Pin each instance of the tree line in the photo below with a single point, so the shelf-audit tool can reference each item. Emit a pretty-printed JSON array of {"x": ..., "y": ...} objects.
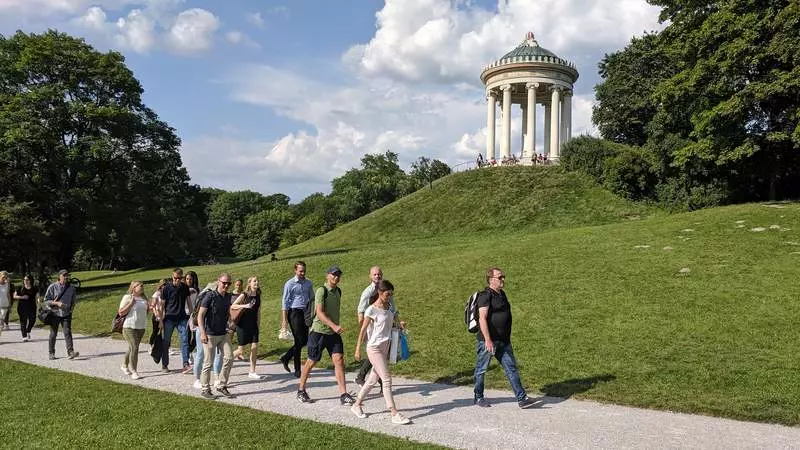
[
  {"x": 92, "y": 177},
  {"x": 704, "y": 112}
]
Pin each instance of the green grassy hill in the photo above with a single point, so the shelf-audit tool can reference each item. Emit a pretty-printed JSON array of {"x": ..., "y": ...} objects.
[
  {"x": 498, "y": 200},
  {"x": 692, "y": 312}
]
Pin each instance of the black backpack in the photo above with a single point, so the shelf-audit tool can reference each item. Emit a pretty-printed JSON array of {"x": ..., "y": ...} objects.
[
  {"x": 311, "y": 310},
  {"x": 471, "y": 313}
]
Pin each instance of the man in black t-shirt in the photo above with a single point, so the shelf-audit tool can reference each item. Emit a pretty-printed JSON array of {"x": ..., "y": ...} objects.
[
  {"x": 212, "y": 319},
  {"x": 494, "y": 338},
  {"x": 174, "y": 297}
]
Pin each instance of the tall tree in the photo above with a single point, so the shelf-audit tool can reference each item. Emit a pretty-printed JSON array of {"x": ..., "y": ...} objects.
[{"x": 427, "y": 170}]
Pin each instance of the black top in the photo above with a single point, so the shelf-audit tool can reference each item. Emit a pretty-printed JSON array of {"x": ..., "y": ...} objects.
[
  {"x": 175, "y": 301},
  {"x": 249, "y": 317},
  {"x": 31, "y": 293},
  {"x": 499, "y": 318},
  {"x": 216, "y": 320}
]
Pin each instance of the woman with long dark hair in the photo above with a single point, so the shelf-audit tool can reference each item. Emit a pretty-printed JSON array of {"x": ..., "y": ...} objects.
[{"x": 26, "y": 306}]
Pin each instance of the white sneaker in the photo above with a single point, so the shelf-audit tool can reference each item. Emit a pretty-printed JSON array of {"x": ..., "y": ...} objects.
[
  {"x": 254, "y": 376},
  {"x": 197, "y": 384},
  {"x": 125, "y": 370},
  {"x": 135, "y": 376},
  {"x": 400, "y": 419},
  {"x": 358, "y": 412}
]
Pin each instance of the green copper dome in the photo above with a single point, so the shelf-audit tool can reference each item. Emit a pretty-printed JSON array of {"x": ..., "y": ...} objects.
[{"x": 529, "y": 47}]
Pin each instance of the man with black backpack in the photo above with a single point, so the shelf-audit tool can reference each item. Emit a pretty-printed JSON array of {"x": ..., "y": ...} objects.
[
  {"x": 494, "y": 338},
  {"x": 298, "y": 296},
  {"x": 212, "y": 320},
  {"x": 326, "y": 334}
]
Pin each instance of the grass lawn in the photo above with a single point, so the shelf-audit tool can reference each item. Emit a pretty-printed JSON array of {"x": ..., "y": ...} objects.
[
  {"x": 601, "y": 312},
  {"x": 52, "y": 409}
]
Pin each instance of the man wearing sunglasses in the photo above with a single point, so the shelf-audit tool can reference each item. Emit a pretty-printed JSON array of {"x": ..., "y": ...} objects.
[
  {"x": 494, "y": 338},
  {"x": 212, "y": 319},
  {"x": 174, "y": 297}
]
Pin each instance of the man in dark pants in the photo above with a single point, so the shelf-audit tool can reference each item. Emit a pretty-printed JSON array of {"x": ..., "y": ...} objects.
[
  {"x": 297, "y": 292},
  {"x": 60, "y": 297},
  {"x": 494, "y": 338},
  {"x": 174, "y": 297},
  {"x": 375, "y": 276}
]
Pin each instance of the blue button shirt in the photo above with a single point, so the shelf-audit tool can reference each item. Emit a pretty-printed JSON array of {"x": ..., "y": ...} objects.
[{"x": 296, "y": 293}]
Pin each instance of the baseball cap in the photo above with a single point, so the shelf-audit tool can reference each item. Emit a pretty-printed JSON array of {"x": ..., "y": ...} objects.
[
  {"x": 63, "y": 272},
  {"x": 334, "y": 269}
]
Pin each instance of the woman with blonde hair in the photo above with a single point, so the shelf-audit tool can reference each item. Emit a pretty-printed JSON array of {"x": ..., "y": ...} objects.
[
  {"x": 249, "y": 323},
  {"x": 5, "y": 298},
  {"x": 134, "y": 307}
]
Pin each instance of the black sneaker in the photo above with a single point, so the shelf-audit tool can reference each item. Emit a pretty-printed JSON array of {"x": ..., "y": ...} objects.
[
  {"x": 526, "y": 402},
  {"x": 297, "y": 374},
  {"x": 346, "y": 399},
  {"x": 481, "y": 402},
  {"x": 52, "y": 356},
  {"x": 206, "y": 394},
  {"x": 285, "y": 363},
  {"x": 303, "y": 397},
  {"x": 73, "y": 355},
  {"x": 225, "y": 392}
]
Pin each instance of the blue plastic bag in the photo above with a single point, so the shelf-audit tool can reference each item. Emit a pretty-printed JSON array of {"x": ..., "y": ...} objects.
[{"x": 404, "y": 353}]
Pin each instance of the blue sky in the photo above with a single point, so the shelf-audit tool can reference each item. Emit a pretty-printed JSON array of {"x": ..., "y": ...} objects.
[{"x": 284, "y": 96}]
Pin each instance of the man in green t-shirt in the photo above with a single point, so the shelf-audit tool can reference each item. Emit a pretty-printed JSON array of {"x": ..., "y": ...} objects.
[{"x": 326, "y": 334}]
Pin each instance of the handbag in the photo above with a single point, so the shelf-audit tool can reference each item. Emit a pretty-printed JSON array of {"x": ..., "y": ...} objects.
[
  {"x": 285, "y": 335},
  {"x": 394, "y": 346},
  {"x": 404, "y": 352},
  {"x": 44, "y": 314},
  {"x": 116, "y": 324}
]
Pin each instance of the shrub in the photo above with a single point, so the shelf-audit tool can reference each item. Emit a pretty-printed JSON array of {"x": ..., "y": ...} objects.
[
  {"x": 587, "y": 154},
  {"x": 630, "y": 173}
]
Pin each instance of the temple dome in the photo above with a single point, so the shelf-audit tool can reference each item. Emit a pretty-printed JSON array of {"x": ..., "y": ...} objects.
[{"x": 529, "y": 47}]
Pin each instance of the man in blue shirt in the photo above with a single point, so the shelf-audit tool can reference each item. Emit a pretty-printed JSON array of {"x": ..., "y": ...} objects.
[
  {"x": 297, "y": 292},
  {"x": 60, "y": 297}
]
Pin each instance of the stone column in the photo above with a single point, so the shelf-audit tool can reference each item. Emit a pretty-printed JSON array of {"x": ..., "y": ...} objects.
[
  {"x": 524, "y": 132},
  {"x": 546, "y": 149},
  {"x": 565, "y": 113},
  {"x": 555, "y": 102},
  {"x": 505, "y": 143},
  {"x": 568, "y": 105},
  {"x": 529, "y": 146},
  {"x": 491, "y": 108}
]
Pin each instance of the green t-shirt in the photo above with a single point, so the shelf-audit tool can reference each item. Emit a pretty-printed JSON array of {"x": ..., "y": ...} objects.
[{"x": 330, "y": 305}]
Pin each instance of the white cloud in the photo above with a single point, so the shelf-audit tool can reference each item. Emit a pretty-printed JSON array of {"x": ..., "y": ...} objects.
[
  {"x": 193, "y": 30},
  {"x": 137, "y": 32},
  {"x": 237, "y": 37},
  {"x": 255, "y": 19}
]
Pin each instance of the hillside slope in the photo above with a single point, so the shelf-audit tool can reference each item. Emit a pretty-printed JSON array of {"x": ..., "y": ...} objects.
[{"x": 498, "y": 200}]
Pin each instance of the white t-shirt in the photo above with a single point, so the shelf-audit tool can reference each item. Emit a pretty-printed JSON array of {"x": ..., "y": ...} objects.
[
  {"x": 380, "y": 330},
  {"x": 137, "y": 315}
]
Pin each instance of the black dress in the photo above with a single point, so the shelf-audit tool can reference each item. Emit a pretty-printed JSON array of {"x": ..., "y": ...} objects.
[{"x": 247, "y": 328}]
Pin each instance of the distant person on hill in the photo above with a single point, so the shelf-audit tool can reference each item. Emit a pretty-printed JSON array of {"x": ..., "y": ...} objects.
[
  {"x": 6, "y": 299},
  {"x": 249, "y": 323},
  {"x": 134, "y": 307},
  {"x": 375, "y": 276},
  {"x": 494, "y": 338},
  {"x": 326, "y": 334},
  {"x": 480, "y": 162},
  {"x": 61, "y": 297},
  {"x": 26, "y": 306},
  {"x": 379, "y": 317},
  {"x": 212, "y": 319},
  {"x": 174, "y": 296},
  {"x": 297, "y": 292}
]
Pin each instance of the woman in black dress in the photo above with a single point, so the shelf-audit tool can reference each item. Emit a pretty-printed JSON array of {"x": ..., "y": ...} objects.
[
  {"x": 25, "y": 296},
  {"x": 249, "y": 322}
]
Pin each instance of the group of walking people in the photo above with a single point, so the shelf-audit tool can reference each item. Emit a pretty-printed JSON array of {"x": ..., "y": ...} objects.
[{"x": 206, "y": 320}]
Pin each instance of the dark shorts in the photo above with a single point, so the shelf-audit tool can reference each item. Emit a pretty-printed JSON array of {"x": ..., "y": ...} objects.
[
  {"x": 318, "y": 342},
  {"x": 247, "y": 335}
]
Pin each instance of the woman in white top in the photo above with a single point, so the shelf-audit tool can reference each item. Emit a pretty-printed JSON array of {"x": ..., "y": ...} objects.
[
  {"x": 134, "y": 307},
  {"x": 5, "y": 299},
  {"x": 377, "y": 326}
]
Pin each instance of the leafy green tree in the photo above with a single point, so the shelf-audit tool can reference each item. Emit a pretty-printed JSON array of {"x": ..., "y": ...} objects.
[
  {"x": 227, "y": 214},
  {"x": 426, "y": 170},
  {"x": 78, "y": 144},
  {"x": 261, "y": 232}
]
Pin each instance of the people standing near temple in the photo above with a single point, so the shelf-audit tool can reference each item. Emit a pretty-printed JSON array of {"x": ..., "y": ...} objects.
[
  {"x": 60, "y": 297},
  {"x": 375, "y": 276},
  {"x": 297, "y": 292},
  {"x": 212, "y": 320},
  {"x": 134, "y": 307},
  {"x": 174, "y": 296},
  {"x": 379, "y": 317},
  {"x": 249, "y": 323},
  {"x": 326, "y": 334},
  {"x": 6, "y": 299},
  {"x": 494, "y": 338},
  {"x": 25, "y": 296}
]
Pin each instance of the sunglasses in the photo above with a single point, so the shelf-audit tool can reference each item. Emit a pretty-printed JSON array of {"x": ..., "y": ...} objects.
[
  {"x": 501, "y": 277},
  {"x": 225, "y": 283}
]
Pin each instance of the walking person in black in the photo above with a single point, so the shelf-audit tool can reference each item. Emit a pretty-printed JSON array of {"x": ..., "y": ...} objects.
[
  {"x": 297, "y": 292},
  {"x": 174, "y": 296},
  {"x": 25, "y": 296}
]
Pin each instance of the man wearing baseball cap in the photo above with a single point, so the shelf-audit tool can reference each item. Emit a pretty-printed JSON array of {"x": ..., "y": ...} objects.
[
  {"x": 326, "y": 334},
  {"x": 60, "y": 297}
]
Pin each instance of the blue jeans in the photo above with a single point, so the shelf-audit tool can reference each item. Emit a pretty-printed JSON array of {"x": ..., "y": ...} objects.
[
  {"x": 505, "y": 355},
  {"x": 200, "y": 356},
  {"x": 183, "y": 335}
]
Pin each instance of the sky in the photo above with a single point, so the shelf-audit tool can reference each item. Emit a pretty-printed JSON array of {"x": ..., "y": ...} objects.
[{"x": 284, "y": 96}]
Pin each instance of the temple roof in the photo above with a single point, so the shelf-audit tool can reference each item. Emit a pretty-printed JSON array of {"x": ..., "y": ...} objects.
[
  {"x": 529, "y": 51},
  {"x": 529, "y": 47}
]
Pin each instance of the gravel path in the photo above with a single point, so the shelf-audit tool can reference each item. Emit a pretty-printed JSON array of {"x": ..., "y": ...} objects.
[{"x": 441, "y": 414}]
